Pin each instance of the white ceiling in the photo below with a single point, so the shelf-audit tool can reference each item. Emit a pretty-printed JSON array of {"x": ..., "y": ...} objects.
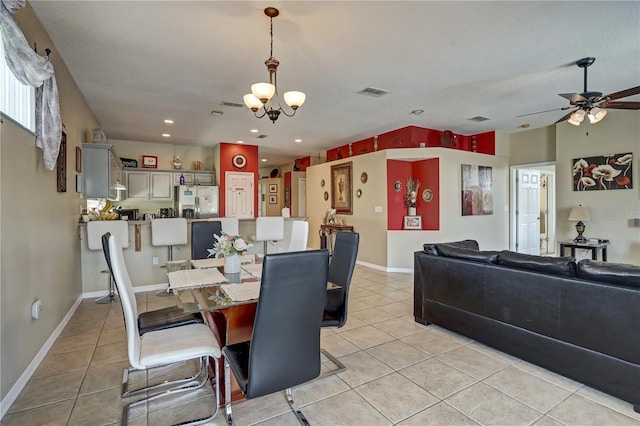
[{"x": 140, "y": 62}]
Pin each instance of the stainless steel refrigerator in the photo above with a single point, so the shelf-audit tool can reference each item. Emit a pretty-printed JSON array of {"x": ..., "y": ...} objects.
[{"x": 197, "y": 201}]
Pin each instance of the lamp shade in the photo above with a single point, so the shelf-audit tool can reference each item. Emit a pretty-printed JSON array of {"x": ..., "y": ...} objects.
[
  {"x": 596, "y": 114},
  {"x": 580, "y": 214},
  {"x": 252, "y": 102},
  {"x": 263, "y": 91},
  {"x": 577, "y": 117},
  {"x": 294, "y": 99}
]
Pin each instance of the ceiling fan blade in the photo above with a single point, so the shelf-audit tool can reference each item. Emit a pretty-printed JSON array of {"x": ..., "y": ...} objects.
[
  {"x": 624, "y": 93},
  {"x": 621, "y": 105},
  {"x": 566, "y": 117},
  {"x": 540, "y": 112},
  {"x": 574, "y": 98}
]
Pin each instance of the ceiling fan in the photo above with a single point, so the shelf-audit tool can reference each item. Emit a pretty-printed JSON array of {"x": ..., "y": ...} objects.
[{"x": 592, "y": 104}]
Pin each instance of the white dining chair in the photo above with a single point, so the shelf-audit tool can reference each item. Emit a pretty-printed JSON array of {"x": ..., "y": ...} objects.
[
  {"x": 269, "y": 228},
  {"x": 299, "y": 235},
  {"x": 120, "y": 230}
]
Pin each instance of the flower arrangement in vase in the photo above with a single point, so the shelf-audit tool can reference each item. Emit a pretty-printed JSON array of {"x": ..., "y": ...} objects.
[
  {"x": 411, "y": 197},
  {"x": 230, "y": 247}
]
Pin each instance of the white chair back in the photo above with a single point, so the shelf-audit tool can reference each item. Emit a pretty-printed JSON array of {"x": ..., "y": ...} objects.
[
  {"x": 169, "y": 231},
  {"x": 269, "y": 228},
  {"x": 97, "y": 228},
  {"x": 299, "y": 235},
  {"x": 230, "y": 225},
  {"x": 128, "y": 300}
]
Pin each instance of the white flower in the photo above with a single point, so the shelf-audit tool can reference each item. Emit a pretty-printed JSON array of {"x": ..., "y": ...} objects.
[
  {"x": 227, "y": 245},
  {"x": 579, "y": 165},
  {"x": 624, "y": 160},
  {"x": 606, "y": 172},
  {"x": 587, "y": 181}
]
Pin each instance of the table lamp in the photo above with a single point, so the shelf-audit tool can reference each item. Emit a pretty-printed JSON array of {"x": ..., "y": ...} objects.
[{"x": 580, "y": 214}]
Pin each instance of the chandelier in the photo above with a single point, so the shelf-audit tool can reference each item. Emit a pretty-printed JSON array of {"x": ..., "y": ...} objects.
[{"x": 264, "y": 96}]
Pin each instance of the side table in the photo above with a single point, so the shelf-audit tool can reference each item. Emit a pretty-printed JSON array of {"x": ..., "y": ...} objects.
[
  {"x": 327, "y": 230},
  {"x": 593, "y": 246}
]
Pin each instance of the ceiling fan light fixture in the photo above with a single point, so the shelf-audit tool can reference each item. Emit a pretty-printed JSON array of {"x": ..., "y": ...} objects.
[
  {"x": 267, "y": 93},
  {"x": 577, "y": 117},
  {"x": 596, "y": 114}
]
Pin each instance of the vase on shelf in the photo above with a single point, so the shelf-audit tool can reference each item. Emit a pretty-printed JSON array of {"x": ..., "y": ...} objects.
[
  {"x": 412, "y": 211},
  {"x": 232, "y": 264}
]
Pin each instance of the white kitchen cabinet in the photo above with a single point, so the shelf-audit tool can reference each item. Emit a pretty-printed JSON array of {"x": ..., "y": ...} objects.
[
  {"x": 149, "y": 186},
  {"x": 102, "y": 171},
  {"x": 205, "y": 179},
  {"x": 188, "y": 178}
]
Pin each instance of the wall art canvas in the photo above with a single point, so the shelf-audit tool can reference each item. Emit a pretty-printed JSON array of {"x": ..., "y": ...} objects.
[
  {"x": 477, "y": 191},
  {"x": 604, "y": 172}
]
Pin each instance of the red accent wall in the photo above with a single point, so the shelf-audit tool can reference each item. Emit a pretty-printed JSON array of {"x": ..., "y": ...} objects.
[
  {"x": 227, "y": 151},
  {"x": 302, "y": 163},
  {"x": 428, "y": 173}
]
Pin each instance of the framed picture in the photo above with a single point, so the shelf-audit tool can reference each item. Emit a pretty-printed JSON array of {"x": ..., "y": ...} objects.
[
  {"x": 413, "y": 222},
  {"x": 341, "y": 188},
  {"x": 477, "y": 191},
  {"x": 273, "y": 188},
  {"x": 604, "y": 172},
  {"x": 78, "y": 159},
  {"x": 273, "y": 199},
  {"x": 61, "y": 165},
  {"x": 149, "y": 161}
]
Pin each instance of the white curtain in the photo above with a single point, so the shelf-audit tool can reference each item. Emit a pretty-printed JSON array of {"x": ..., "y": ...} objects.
[{"x": 37, "y": 71}]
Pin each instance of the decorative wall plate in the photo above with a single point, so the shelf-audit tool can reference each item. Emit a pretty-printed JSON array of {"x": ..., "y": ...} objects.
[
  {"x": 359, "y": 193},
  {"x": 239, "y": 161},
  {"x": 397, "y": 186},
  {"x": 364, "y": 177},
  {"x": 326, "y": 195},
  {"x": 322, "y": 183},
  {"x": 427, "y": 195}
]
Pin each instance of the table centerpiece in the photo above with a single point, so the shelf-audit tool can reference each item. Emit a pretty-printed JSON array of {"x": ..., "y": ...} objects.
[{"x": 229, "y": 247}]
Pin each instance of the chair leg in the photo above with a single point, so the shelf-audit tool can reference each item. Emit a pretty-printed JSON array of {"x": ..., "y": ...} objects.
[
  {"x": 204, "y": 361},
  {"x": 227, "y": 394},
  {"x": 333, "y": 359},
  {"x": 112, "y": 297},
  {"x": 301, "y": 418},
  {"x": 125, "y": 392}
]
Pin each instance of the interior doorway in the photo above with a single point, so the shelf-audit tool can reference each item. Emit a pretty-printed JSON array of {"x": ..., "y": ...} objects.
[
  {"x": 240, "y": 195},
  {"x": 533, "y": 209}
]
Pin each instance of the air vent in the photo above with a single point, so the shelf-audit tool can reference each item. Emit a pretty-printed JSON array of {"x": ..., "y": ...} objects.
[
  {"x": 478, "y": 119},
  {"x": 261, "y": 136},
  {"x": 232, "y": 104},
  {"x": 372, "y": 91}
]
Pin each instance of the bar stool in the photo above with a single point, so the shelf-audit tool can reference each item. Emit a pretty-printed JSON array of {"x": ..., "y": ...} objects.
[
  {"x": 230, "y": 225},
  {"x": 168, "y": 232},
  {"x": 95, "y": 230},
  {"x": 269, "y": 228}
]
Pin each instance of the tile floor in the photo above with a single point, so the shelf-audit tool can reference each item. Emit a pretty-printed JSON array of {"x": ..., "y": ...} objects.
[{"x": 399, "y": 373}]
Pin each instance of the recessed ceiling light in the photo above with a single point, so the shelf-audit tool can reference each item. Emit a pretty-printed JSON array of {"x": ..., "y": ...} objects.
[
  {"x": 240, "y": 141},
  {"x": 297, "y": 140},
  {"x": 167, "y": 121},
  {"x": 216, "y": 112},
  {"x": 166, "y": 135},
  {"x": 417, "y": 111},
  {"x": 525, "y": 125},
  {"x": 264, "y": 160},
  {"x": 254, "y": 130}
]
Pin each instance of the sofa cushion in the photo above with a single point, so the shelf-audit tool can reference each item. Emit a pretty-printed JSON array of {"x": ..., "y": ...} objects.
[
  {"x": 614, "y": 273},
  {"x": 450, "y": 250},
  {"x": 565, "y": 266},
  {"x": 431, "y": 248}
]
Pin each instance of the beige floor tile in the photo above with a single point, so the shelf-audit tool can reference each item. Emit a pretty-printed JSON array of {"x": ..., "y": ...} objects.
[
  {"x": 398, "y": 328},
  {"x": 397, "y": 308},
  {"x": 56, "y": 414},
  {"x": 397, "y": 354},
  {"x": 110, "y": 353},
  {"x": 439, "y": 415},
  {"x": 356, "y": 305},
  {"x": 438, "y": 378},
  {"x": 101, "y": 408},
  {"x": 547, "y": 421},
  {"x": 66, "y": 362},
  {"x": 433, "y": 343},
  {"x": 105, "y": 376},
  {"x": 82, "y": 327},
  {"x": 376, "y": 300},
  {"x": 366, "y": 337},
  {"x": 490, "y": 407},
  {"x": 319, "y": 389},
  {"x": 525, "y": 387},
  {"x": 176, "y": 409},
  {"x": 472, "y": 362},
  {"x": 47, "y": 390},
  {"x": 347, "y": 408},
  {"x": 287, "y": 419},
  {"x": 351, "y": 324},
  {"x": 89, "y": 315},
  {"x": 362, "y": 368},
  {"x": 255, "y": 410},
  {"x": 396, "y": 397},
  {"x": 112, "y": 335},
  {"x": 607, "y": 400},
  {"x": 337, "y": 345},
  {"x": 556, "y": 379},
  {"x": 578, "y": 410},
  {"x": 74, "y": 342}
]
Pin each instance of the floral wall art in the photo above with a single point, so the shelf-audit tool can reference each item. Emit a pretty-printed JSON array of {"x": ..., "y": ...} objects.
[
  {"x": 604, "y": 172},
  {"x": 477, "y": 191}
]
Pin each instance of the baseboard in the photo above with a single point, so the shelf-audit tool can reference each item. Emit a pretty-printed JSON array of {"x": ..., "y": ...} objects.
[
  {"x": 136, "y": 289},
  {"x": 385, "y": 269},
  {"x": 19, "y": 385}
]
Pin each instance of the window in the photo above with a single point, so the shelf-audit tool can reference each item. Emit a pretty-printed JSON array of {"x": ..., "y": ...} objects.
[{"x": 17, "y": 101}]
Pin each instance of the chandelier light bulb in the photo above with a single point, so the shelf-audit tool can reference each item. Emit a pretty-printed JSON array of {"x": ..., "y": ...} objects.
[
  {"x": 596, "y": 114},
  {"x": 294, "y": 99}
]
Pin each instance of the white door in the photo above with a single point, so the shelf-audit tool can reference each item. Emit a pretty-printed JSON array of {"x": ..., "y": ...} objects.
[
  {"x": 240, "y": 195},
  {"x": 302, "y": 197},
  {"x": 528, "y": 212}
]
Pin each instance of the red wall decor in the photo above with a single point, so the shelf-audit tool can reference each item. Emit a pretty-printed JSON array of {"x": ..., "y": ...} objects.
[
  {"x": 230, "y": 164},
  {"x": 428, "y": 173},
  {"x": 302, "y": 163}
]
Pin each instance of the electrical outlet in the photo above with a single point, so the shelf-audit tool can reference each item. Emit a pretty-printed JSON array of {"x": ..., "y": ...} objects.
[{"x": 155, "y": 260}]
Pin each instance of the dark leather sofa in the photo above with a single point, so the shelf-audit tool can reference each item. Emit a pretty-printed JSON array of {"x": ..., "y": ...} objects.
[{"x": 581, "y": 320}]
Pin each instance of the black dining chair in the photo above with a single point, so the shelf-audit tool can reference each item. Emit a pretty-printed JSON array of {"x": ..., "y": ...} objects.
[
  {"x": 284, "y": 350},
  {"x": 343, "y": 261},
  {"x": 203, "y": 237}
]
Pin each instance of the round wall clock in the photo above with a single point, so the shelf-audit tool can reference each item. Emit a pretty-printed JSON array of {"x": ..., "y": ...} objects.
[{"x": 239, "y": 161}]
